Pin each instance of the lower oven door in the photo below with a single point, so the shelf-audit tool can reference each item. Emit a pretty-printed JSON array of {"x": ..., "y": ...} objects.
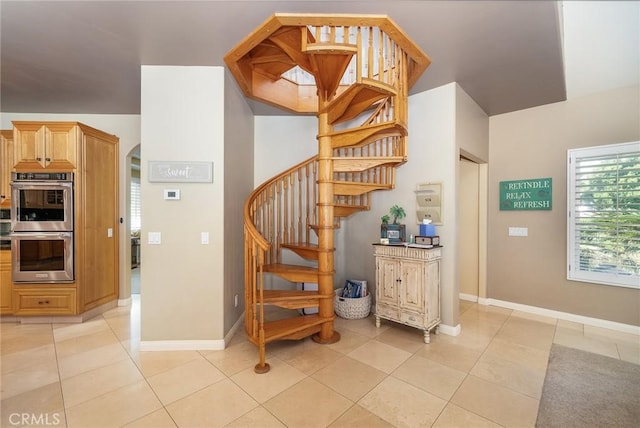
[{"x": 42, "y": 256}]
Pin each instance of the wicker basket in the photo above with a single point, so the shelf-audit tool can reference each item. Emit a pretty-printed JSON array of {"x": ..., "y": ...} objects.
[{"x": 351, "y": 309}]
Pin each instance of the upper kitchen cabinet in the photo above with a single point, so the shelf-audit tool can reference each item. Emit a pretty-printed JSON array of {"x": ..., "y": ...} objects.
[
  {"x": 6, "y": 165},
  {"x": 51, "y": 146}
]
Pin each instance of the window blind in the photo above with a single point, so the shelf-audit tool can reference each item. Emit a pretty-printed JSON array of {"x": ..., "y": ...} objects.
[
  {"x": 604, "y": 214},
  {"x": 136, "y": 222}
]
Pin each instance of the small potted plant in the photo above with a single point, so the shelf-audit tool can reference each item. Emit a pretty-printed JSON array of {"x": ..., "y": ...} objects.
[{"x": 393, "y": 231}]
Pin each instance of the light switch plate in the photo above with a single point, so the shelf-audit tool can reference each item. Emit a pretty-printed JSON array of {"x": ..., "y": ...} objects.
[
  {"x": 154, "y": 238},
  {"x": 518, "y": 231},
  {"x": 204, "y": 238}
]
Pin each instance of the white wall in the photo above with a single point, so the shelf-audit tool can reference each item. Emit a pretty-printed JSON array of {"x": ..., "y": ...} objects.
[
  {"x": 182, "y": 119},
  {"x": 432, "y": 157},
  {"x": 533, "y": 143},
  {"x": 238, "y": 184},
  {"x": 127, "y": 129},
  {"x": 282, "y": 142}
]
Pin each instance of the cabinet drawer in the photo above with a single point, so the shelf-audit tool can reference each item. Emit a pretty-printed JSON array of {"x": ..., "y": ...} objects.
[
  {"x": 45, "y": 302},
  {"x": 412, "y": 318},
  {"x": 387, "y": 311}
]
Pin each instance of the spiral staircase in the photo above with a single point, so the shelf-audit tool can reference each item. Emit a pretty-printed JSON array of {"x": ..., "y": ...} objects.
[{"x": 353, "y": 72}]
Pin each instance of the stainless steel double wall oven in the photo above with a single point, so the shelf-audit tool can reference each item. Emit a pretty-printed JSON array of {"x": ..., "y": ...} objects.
[{"x": 42, "y": 227}]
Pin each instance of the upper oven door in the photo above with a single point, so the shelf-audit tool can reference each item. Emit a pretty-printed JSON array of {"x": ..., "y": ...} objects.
[{"x": 41, "y": 206}]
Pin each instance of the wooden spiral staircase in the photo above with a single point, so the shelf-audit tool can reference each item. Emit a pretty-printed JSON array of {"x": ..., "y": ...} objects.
[{"x": 353, "y": 72}]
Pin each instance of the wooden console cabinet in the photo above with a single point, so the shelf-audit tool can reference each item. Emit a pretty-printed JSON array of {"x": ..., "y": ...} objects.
[
  {"x": 92, "y": 155},
  {"x": 408, "y": 286}
]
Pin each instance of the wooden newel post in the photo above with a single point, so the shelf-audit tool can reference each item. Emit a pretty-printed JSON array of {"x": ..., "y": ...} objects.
[{"x": 325, "y": 229}]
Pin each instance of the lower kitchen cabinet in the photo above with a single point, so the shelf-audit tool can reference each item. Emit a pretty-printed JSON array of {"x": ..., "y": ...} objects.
[
  {"x": 50, "y": 301},
  {"x": 6, "y": 305},
  {"x": 408, "y": 286}
]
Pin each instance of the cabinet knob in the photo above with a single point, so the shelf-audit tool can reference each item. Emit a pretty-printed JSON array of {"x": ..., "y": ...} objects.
[
  {"x": 38, "y": 158},
  {"x": 47, "y": 159}
]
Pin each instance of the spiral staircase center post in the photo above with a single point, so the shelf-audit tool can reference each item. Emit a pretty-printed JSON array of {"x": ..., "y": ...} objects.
[{"x": 325, "y": 230}]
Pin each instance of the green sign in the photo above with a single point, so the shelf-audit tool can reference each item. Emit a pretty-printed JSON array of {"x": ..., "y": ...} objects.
[{"x": 525, "y": 195}]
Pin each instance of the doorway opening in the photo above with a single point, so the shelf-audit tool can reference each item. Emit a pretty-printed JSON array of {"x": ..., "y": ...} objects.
[
  {"x": 472, "y": 203},
  {"x": 135, "y": 223}
]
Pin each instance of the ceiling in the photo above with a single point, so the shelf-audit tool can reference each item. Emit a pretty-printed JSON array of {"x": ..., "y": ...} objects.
[{"x": 85, "y": 56}]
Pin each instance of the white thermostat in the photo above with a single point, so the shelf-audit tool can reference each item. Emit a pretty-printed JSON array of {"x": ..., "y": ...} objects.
[{"x": 172, "y": 194}]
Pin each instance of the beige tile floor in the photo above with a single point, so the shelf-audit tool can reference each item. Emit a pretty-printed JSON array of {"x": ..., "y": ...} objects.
[{"x": 94, "y": 375}]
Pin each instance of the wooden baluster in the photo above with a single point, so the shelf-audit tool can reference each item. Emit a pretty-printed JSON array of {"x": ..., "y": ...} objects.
[
  {"x": 315, "y": 192},
  {"x": 307, "y": 234},
  {"x": 370, "y": 55},
  {"x": 271, "y": 218},
  {"x": 359, "y": 62},
  {"x": 380, "y": 56},
  {"x": 284, "y": 214},
  {"x": 300, "y": 206}
]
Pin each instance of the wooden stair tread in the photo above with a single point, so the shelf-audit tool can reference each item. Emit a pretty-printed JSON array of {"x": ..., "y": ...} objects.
[
  {"x": 294, "y": 299},
  {"x": 363, "y": 163},
  {"x": 293, "y": 273},
  {"x": 288, "y": 327},
  {"x": 356, "y": 99},
  {"x": 270, "y": 295},
  {"x": 306, "y": 251},
  {"x": 365, "y": 134},
  {"x": 353, "y": 188},
  {"x": 346, "y": 210}
]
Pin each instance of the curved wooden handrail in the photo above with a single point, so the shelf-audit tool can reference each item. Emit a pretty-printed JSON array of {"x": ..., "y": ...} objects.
[{"x": 250, "y": 227}]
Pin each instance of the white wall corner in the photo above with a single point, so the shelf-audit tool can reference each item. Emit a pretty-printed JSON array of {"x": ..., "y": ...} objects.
[{"x": 449, "y": 330}]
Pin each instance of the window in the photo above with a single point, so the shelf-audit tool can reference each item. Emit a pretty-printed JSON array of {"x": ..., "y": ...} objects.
[
  {"x": 603, "y": 205},
  {"x": 135, "y": 205}
]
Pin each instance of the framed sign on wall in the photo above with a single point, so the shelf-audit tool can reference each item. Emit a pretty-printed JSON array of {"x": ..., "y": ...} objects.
[
  {"x": 180, "y": 172},
  {"x": 526, "y": 195}
]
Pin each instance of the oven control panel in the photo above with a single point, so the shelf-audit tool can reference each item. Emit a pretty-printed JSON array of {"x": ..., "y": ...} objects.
[{"x": 42, "y": 176}]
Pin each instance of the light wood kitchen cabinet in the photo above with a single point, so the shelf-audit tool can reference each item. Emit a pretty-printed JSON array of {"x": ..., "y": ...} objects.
[
  {"x": 51, "y": 145},
  {"x": 92, "y": 156},
  {"x": 6, "y": 306},
  {"x": 6, "y": 165},
  {"x": 50, "y": 300},
  {"x": 408, "y": 286},
  {"x": 97, "y": 219}
]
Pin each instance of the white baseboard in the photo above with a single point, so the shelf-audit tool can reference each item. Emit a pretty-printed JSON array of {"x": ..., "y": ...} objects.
[
  {"x": 449, "y": 330},
  {"x": 468, "y": 297},
  {"x": 596, "y": 322},
  {"x": 124, "y": 302},
  {"x": 181, "y": 345}
]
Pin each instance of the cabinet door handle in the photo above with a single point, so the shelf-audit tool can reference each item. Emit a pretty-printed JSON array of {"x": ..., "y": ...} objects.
[
  {"x": 47, "y": 159},
  {"x": 43, "y": 302},
  {"x": 38, "y": 158}
]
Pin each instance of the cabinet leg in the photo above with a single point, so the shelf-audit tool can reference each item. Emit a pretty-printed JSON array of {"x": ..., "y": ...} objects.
[
  {"x": 436, "y": 331},
  {"x": 377, "y": 321},
  {"x": 427, "y": 338}
]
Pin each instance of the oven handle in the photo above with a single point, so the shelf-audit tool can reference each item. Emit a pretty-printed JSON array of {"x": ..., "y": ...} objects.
[{"x": 39, "y": 235}]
